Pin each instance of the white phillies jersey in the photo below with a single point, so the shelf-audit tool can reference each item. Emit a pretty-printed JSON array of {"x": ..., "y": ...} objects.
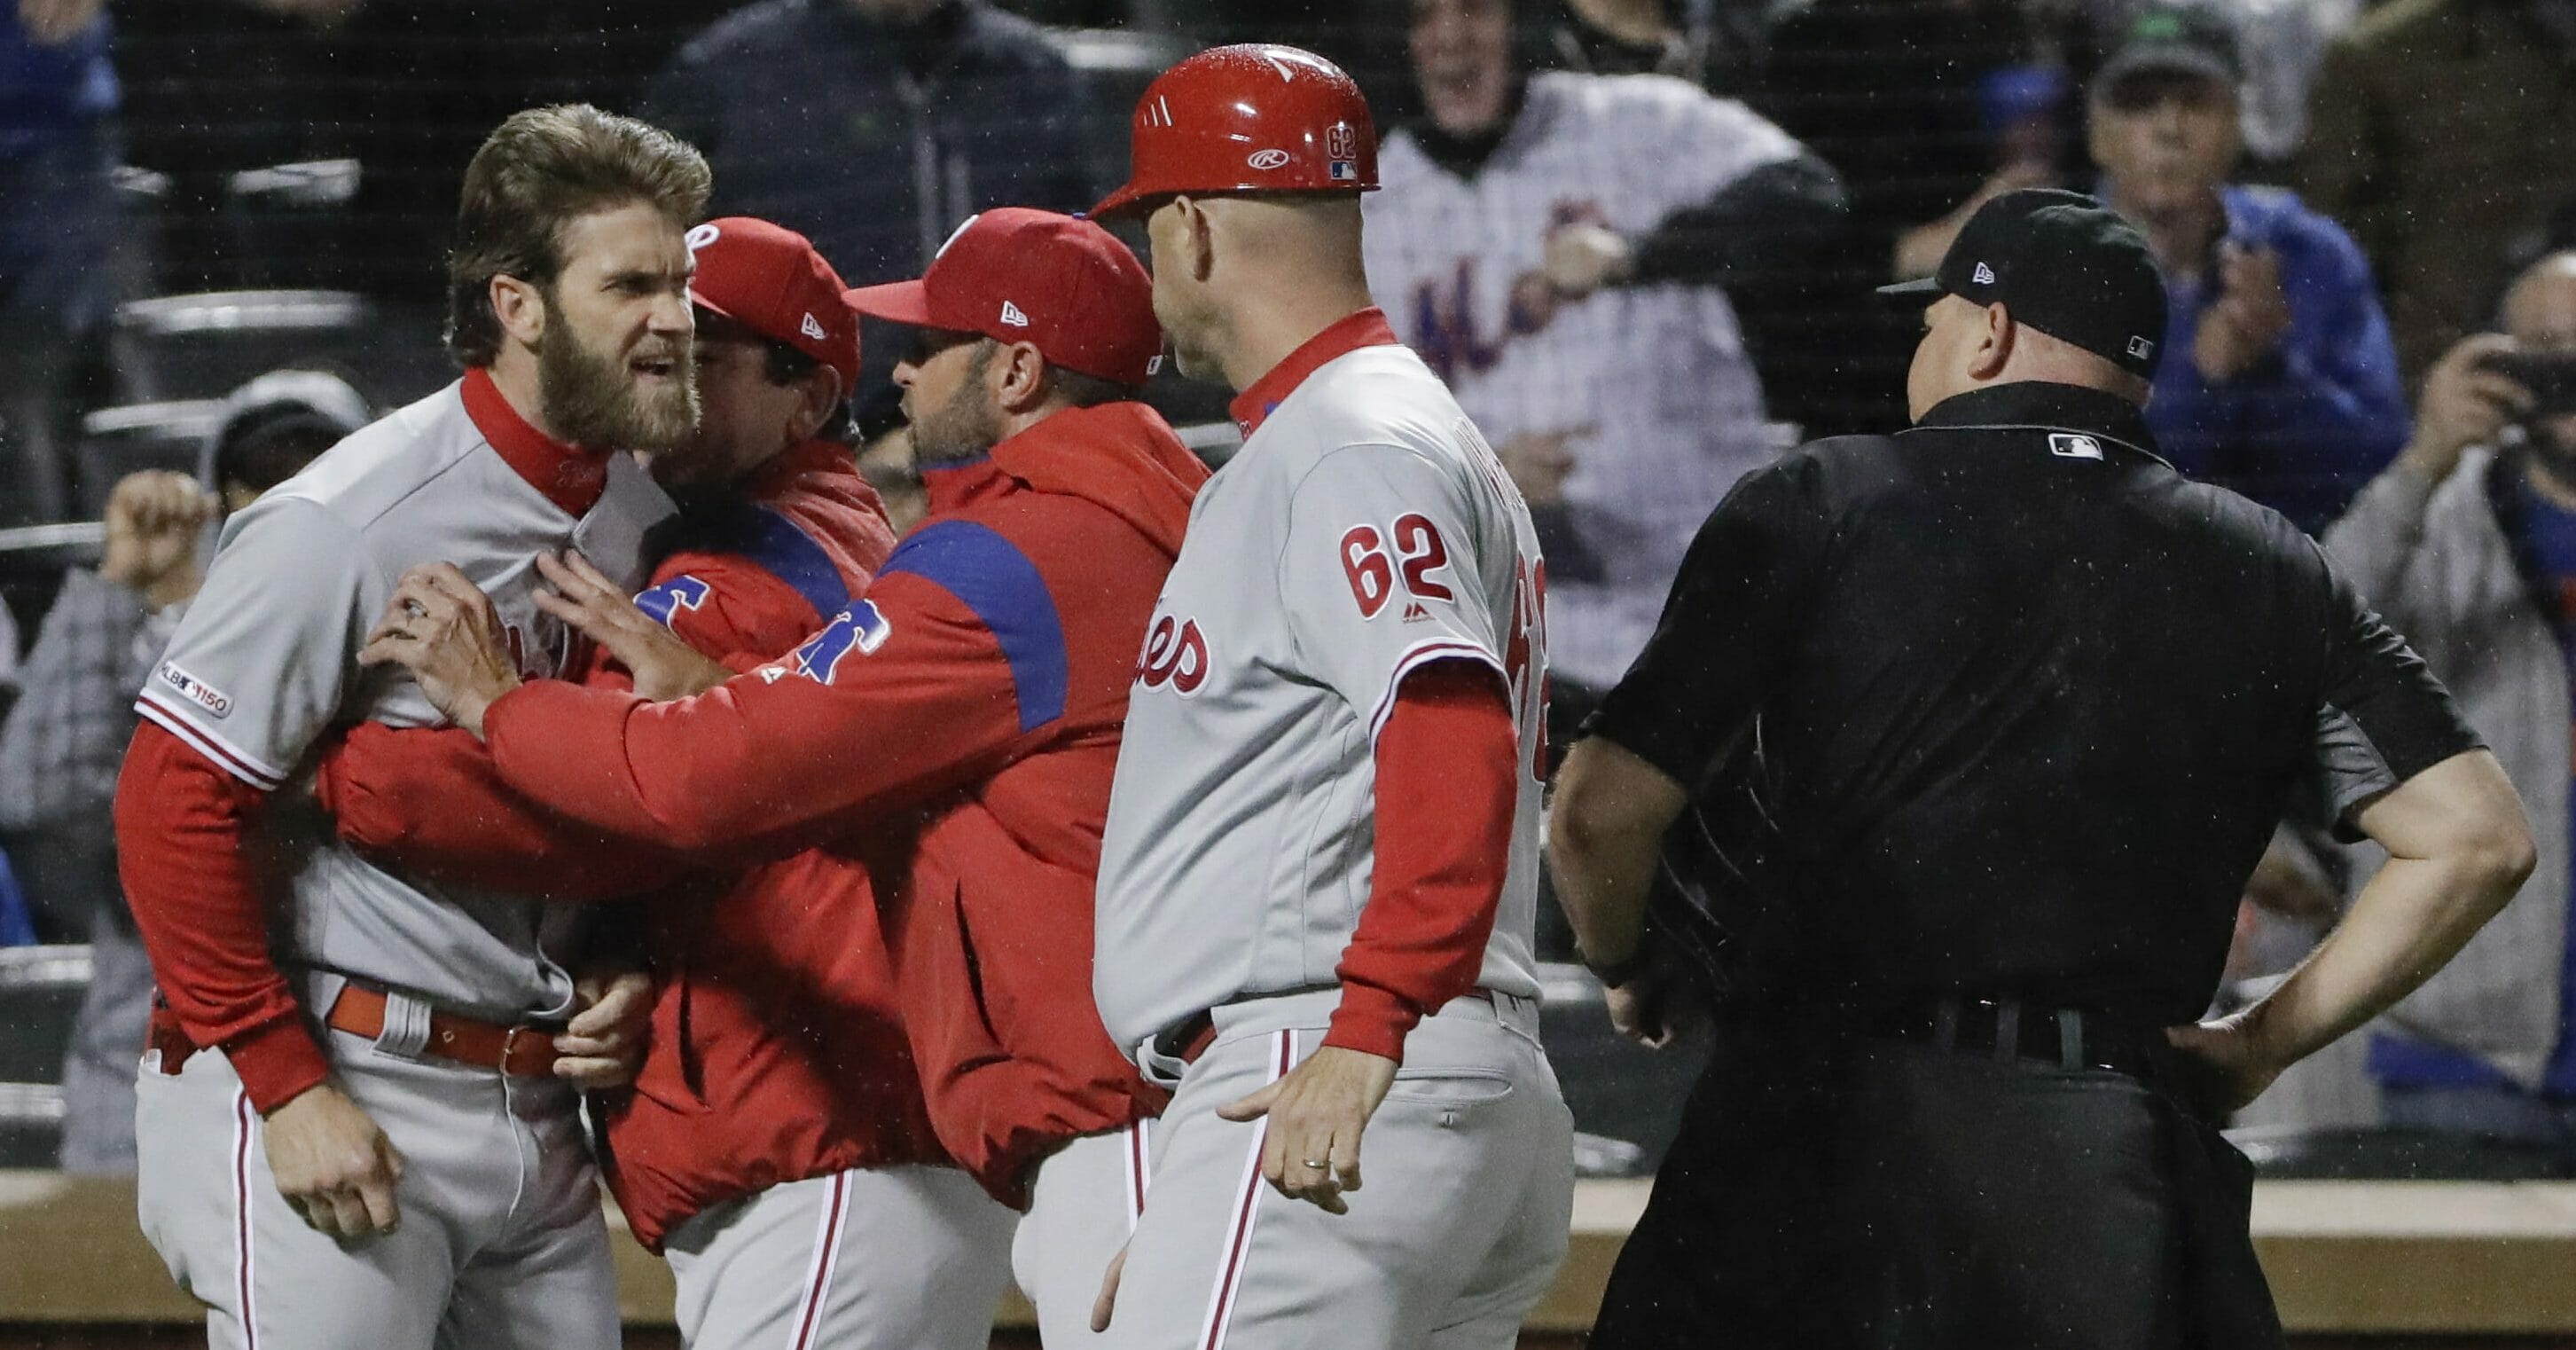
[
  {"x": 265, "y": 663},
  {"x": 1363, "y": 530},
  {"x": 1652, "y": 382}
]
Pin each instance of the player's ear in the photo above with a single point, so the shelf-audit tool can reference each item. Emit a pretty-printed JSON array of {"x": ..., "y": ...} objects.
[
  {"x": 520, "y": 308},
  {"x": 1021, "y": 375},
  {"x": 1994, "y": 344},
  {"x": 816, "y": 396},
  {"x": 1198, "y": 235}
]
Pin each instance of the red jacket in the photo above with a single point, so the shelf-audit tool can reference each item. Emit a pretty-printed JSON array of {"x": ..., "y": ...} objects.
[
  {"x": 959, "y": 725},
  {"x": 777, "y": 1052}
]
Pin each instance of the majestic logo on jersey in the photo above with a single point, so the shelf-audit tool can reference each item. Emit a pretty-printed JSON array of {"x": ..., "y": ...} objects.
[
  {"x": 861, "y": 628},
  {"x": 1012, "y": 315},
  {"x": 195, "y": 690},
  {"x": 1451, "y": 339},
  {"x": 1266, "y": 160},
  {"x": 1176, "y": 654},
  {"x": 2068, "y": 445},
  {"x": 669, "y": 598},
  {"x": 701, "y": 236}
]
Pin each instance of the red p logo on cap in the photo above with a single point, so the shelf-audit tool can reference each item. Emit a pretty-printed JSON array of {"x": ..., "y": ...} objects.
[{"x": 769, "y": 279}]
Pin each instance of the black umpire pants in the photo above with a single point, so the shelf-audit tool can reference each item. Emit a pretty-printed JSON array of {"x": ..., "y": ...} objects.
[{"x": 1845, "y": 1192}]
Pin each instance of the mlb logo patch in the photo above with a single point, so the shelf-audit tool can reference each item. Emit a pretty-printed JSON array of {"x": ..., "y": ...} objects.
[
  {"x": 1343, "y": 171},
  {"x": 2067, "y": 445}
]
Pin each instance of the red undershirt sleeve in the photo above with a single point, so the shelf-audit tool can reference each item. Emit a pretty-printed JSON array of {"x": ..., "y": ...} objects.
[
  {"x": 1448, "y": 765},
  {"x": 184, "y": 853}
]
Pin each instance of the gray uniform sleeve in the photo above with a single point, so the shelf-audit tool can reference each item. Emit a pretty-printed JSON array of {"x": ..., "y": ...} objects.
[
  {"x": 257, "y": 669},
  {"x": 1381, "y": 573}
]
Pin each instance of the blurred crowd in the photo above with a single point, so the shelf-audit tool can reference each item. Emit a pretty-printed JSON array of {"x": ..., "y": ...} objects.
[{"x": 1638, "y": 237}]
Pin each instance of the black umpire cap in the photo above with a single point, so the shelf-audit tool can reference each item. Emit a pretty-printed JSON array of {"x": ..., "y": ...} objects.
[{"x": 2064, "y": 264}]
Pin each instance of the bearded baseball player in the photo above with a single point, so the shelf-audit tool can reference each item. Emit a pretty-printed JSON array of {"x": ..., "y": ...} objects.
[
  {"x": 1318, "y": 884},
  {"x": 955, "y": 728},
  {"x": 353, "y": 1114},
  {"x": 775, "y": 1148}
]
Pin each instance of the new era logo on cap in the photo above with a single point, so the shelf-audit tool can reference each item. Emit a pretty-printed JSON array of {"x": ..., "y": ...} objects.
[
  {"x": 813, "y": 328},
  {"x": 2141, "y": 348},
  {"x": 1011, "y": 315},
  {"x": 1984, "y": 275}
]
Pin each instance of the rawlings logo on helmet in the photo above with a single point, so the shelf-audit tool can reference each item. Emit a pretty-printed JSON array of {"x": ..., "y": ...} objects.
[{"x": 1266, "y": 160}]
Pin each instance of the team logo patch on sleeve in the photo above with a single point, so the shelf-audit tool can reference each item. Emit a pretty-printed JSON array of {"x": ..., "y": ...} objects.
[
  {"x": 669, "y": 598},
  {"x": 195, "y": 690},
  {"x": 861, "y": 628}
]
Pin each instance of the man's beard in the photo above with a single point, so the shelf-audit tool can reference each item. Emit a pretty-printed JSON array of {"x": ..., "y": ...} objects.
[
  {"x": 591, "y": 400},
  {"x": 966, "y": 427}
]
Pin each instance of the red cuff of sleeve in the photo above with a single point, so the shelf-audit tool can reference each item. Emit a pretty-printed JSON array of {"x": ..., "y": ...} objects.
[
  {"x": 277, "y": 1061},
  {"x": 1372, "y": 1020}
]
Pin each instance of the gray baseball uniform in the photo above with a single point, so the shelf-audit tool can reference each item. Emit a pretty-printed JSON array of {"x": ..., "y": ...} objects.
[
  {"x": 873, "y": 1258},
  {"x": 1083, "y": 1206},
  {"x": 1364, "y": 530},
  {"x": 501, "y": 1241}
]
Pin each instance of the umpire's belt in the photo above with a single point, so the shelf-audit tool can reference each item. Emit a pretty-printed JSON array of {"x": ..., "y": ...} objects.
[{"x": 2007, "y": 1029}]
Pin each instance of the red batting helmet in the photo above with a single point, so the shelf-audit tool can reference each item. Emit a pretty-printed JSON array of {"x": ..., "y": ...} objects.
[{"x": 1253, "y": 118}]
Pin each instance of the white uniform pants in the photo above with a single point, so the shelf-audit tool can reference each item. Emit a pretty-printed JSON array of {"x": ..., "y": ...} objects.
[
  {"x": 891, "y": 1258},
  {"x": 1082, "y": 1207},
  {"x": 500, "y": 1245},
  {"x": 1467, "y": 1191}
]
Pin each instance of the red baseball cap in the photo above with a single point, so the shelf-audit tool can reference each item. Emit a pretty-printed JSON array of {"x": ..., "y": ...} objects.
[
  {"x": 1065, "y": 286},
  {"x": 769, "y": 279}
]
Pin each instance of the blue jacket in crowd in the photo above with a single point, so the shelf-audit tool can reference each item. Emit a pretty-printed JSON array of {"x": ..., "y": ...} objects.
[
  {"x": 2305, "y": 429},
  {"x": 47, "y": 93},
  {"x": 876, "y": 142}
]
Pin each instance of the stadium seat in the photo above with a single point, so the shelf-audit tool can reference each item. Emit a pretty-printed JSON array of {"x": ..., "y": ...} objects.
[
  {"x": 40, "y": 990},
  {"x": 118, "y": 441},
  {"x": 185, "y": 347}
]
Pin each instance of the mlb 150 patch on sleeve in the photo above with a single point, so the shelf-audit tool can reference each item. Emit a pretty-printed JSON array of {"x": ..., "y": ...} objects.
[{"x": 195, "y": 690}]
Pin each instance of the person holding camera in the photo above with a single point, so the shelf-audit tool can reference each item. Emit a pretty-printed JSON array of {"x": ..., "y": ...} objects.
[{"x": 2467, "y": 544}]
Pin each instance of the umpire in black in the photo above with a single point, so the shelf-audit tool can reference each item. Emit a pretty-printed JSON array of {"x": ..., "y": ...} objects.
[{"x": 2020, "y": 706}]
